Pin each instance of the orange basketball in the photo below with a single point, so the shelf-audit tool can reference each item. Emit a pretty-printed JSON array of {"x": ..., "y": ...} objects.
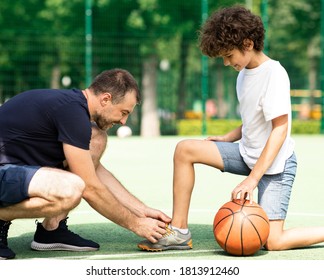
[{"x": 241, "y": 228}]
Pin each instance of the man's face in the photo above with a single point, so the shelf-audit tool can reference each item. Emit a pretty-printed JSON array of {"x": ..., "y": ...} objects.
[{"x": 109, "y": 114}]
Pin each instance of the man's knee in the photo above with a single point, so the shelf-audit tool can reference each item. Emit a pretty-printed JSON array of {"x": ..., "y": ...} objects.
[
  {"x": 71, "y": 195},
  {"x": 62, "y": 189}
]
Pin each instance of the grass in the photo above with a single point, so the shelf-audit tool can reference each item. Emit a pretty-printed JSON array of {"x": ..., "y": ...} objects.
[{"x": 145, "y": 167}]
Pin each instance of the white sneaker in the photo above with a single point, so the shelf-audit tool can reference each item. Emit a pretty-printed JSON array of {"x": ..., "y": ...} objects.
[{"x": 171, "y": 240}]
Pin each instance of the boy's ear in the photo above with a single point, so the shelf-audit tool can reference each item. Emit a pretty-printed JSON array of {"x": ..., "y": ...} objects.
[{"x": 248, "y": 44}]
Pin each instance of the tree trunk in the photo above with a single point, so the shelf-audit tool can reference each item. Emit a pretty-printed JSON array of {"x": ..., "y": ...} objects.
[
  {"x": 150, "y": 123},
  {"x": 55, "y": 79},
  {"x": 313, "y": 56},
  {"x": 181, "y": 106}
]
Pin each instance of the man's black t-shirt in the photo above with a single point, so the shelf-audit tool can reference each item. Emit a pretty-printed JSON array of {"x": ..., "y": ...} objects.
[{"x": 35, "y": 123}]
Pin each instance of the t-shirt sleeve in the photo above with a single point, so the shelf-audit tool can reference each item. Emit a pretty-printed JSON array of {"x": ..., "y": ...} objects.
[
  {"x": 277, "y": 97},
  {"x": 73, "y": 125}
]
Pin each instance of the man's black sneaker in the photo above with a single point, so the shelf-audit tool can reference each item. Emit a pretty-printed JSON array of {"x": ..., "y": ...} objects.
[
  {"x": 5, "y": 251},
  {"x": 61, "y": 239}
]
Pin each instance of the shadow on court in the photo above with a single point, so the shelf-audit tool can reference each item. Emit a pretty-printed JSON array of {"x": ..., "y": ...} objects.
[{"x": 117, "y": 243}]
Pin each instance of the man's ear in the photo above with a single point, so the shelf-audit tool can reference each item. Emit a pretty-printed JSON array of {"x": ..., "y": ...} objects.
[
  {"x": 248, "y": 44},
  {"x": 105, "y": 98}
]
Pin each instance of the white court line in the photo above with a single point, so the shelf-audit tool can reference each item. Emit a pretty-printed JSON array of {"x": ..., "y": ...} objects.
[
  {"x": 140, "y": 255},
  {"x": 147, "y": 255},
  {"x": 210, "y": 211},
  {"x": 306, "y": 214}
]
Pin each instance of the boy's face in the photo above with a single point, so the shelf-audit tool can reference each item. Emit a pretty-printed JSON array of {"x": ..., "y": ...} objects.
[{"x": 238, "y": 59}]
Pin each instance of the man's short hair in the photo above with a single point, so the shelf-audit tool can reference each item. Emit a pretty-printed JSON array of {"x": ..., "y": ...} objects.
[{"x": 117, "y": 82}]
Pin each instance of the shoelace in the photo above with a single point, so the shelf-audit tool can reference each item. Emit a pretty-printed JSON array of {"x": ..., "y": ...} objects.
[
  {"x": 63, "y": 225},
  {"x": 169, "y": 231},
  {"x": 4, "y": 232}
]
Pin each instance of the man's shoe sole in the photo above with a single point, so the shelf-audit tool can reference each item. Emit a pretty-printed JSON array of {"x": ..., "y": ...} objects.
[
  {"x": 59, "y": 247},
  {"x": 7, "y": 258}
]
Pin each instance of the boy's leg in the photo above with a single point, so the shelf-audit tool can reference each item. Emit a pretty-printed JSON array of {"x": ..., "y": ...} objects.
[
  {"x": 274, "y": 194},
  {"x": 280, "y": 239},
  {"x": 187, "y": 154}
]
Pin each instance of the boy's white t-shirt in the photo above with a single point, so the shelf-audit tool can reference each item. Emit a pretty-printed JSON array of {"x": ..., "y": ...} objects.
[{"x": 263, "y": 94}]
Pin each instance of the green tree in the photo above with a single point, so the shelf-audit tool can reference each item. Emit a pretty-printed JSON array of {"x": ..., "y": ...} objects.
[
  {"x": 149, "y": 21},
  {"x": 61, "y": 24},
  {"x": 16, "y": 21},
  {"x": 294, "y": 32},
  {"x": 43, "y": 40},
  {"x": 39, "y": 42}
]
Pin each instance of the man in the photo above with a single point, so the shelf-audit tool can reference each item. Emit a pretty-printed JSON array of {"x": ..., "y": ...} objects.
[{"x": 51, "y": 142}]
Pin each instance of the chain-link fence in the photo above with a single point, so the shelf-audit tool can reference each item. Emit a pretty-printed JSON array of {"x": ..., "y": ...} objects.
[{"x": 53, "y": 55}]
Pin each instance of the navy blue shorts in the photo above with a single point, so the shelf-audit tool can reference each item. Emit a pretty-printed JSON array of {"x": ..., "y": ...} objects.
[{"x": 14, "y": 182}]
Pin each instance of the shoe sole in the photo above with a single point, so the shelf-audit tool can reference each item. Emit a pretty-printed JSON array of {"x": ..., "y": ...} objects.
[
  {"x": 7, "y": 258},
  {"x": 187, "y": 246},
  {"x": 59, "y": 247}
]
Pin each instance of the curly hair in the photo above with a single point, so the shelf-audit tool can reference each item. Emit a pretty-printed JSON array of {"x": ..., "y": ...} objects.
[{"x": 228, "y": 29}]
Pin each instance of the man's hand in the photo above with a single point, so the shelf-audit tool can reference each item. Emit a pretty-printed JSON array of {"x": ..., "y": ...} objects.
[
  {"x": 152, "y": 225},
  {"x": 157, "y": 214},
  {"x": 151, "y": 229}
]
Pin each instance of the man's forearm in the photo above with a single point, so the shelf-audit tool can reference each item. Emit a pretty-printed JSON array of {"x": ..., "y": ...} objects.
[
  {"x": 104, "y": 202},
  {"x": 120, "y": 192}
]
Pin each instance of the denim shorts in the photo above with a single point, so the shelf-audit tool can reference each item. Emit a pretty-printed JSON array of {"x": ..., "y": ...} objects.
[
  {"x": 14, "y": 183},
  {"x": 273, "y": 190}
]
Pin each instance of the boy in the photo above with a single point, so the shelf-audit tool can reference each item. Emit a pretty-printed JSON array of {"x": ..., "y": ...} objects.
[{"x": 261, "y": 148}]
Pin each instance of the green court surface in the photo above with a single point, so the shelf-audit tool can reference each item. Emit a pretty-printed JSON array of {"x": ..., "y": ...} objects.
[{"x": 144, "y": 166}]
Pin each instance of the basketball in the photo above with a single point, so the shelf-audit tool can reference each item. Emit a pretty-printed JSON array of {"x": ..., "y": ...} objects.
[{"x": 241, "y": 228}]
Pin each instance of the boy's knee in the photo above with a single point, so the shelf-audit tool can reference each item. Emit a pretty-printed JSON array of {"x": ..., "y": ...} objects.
[
  {"x": 182, "y": 149},
  {"x": 273, "y": 244}
]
